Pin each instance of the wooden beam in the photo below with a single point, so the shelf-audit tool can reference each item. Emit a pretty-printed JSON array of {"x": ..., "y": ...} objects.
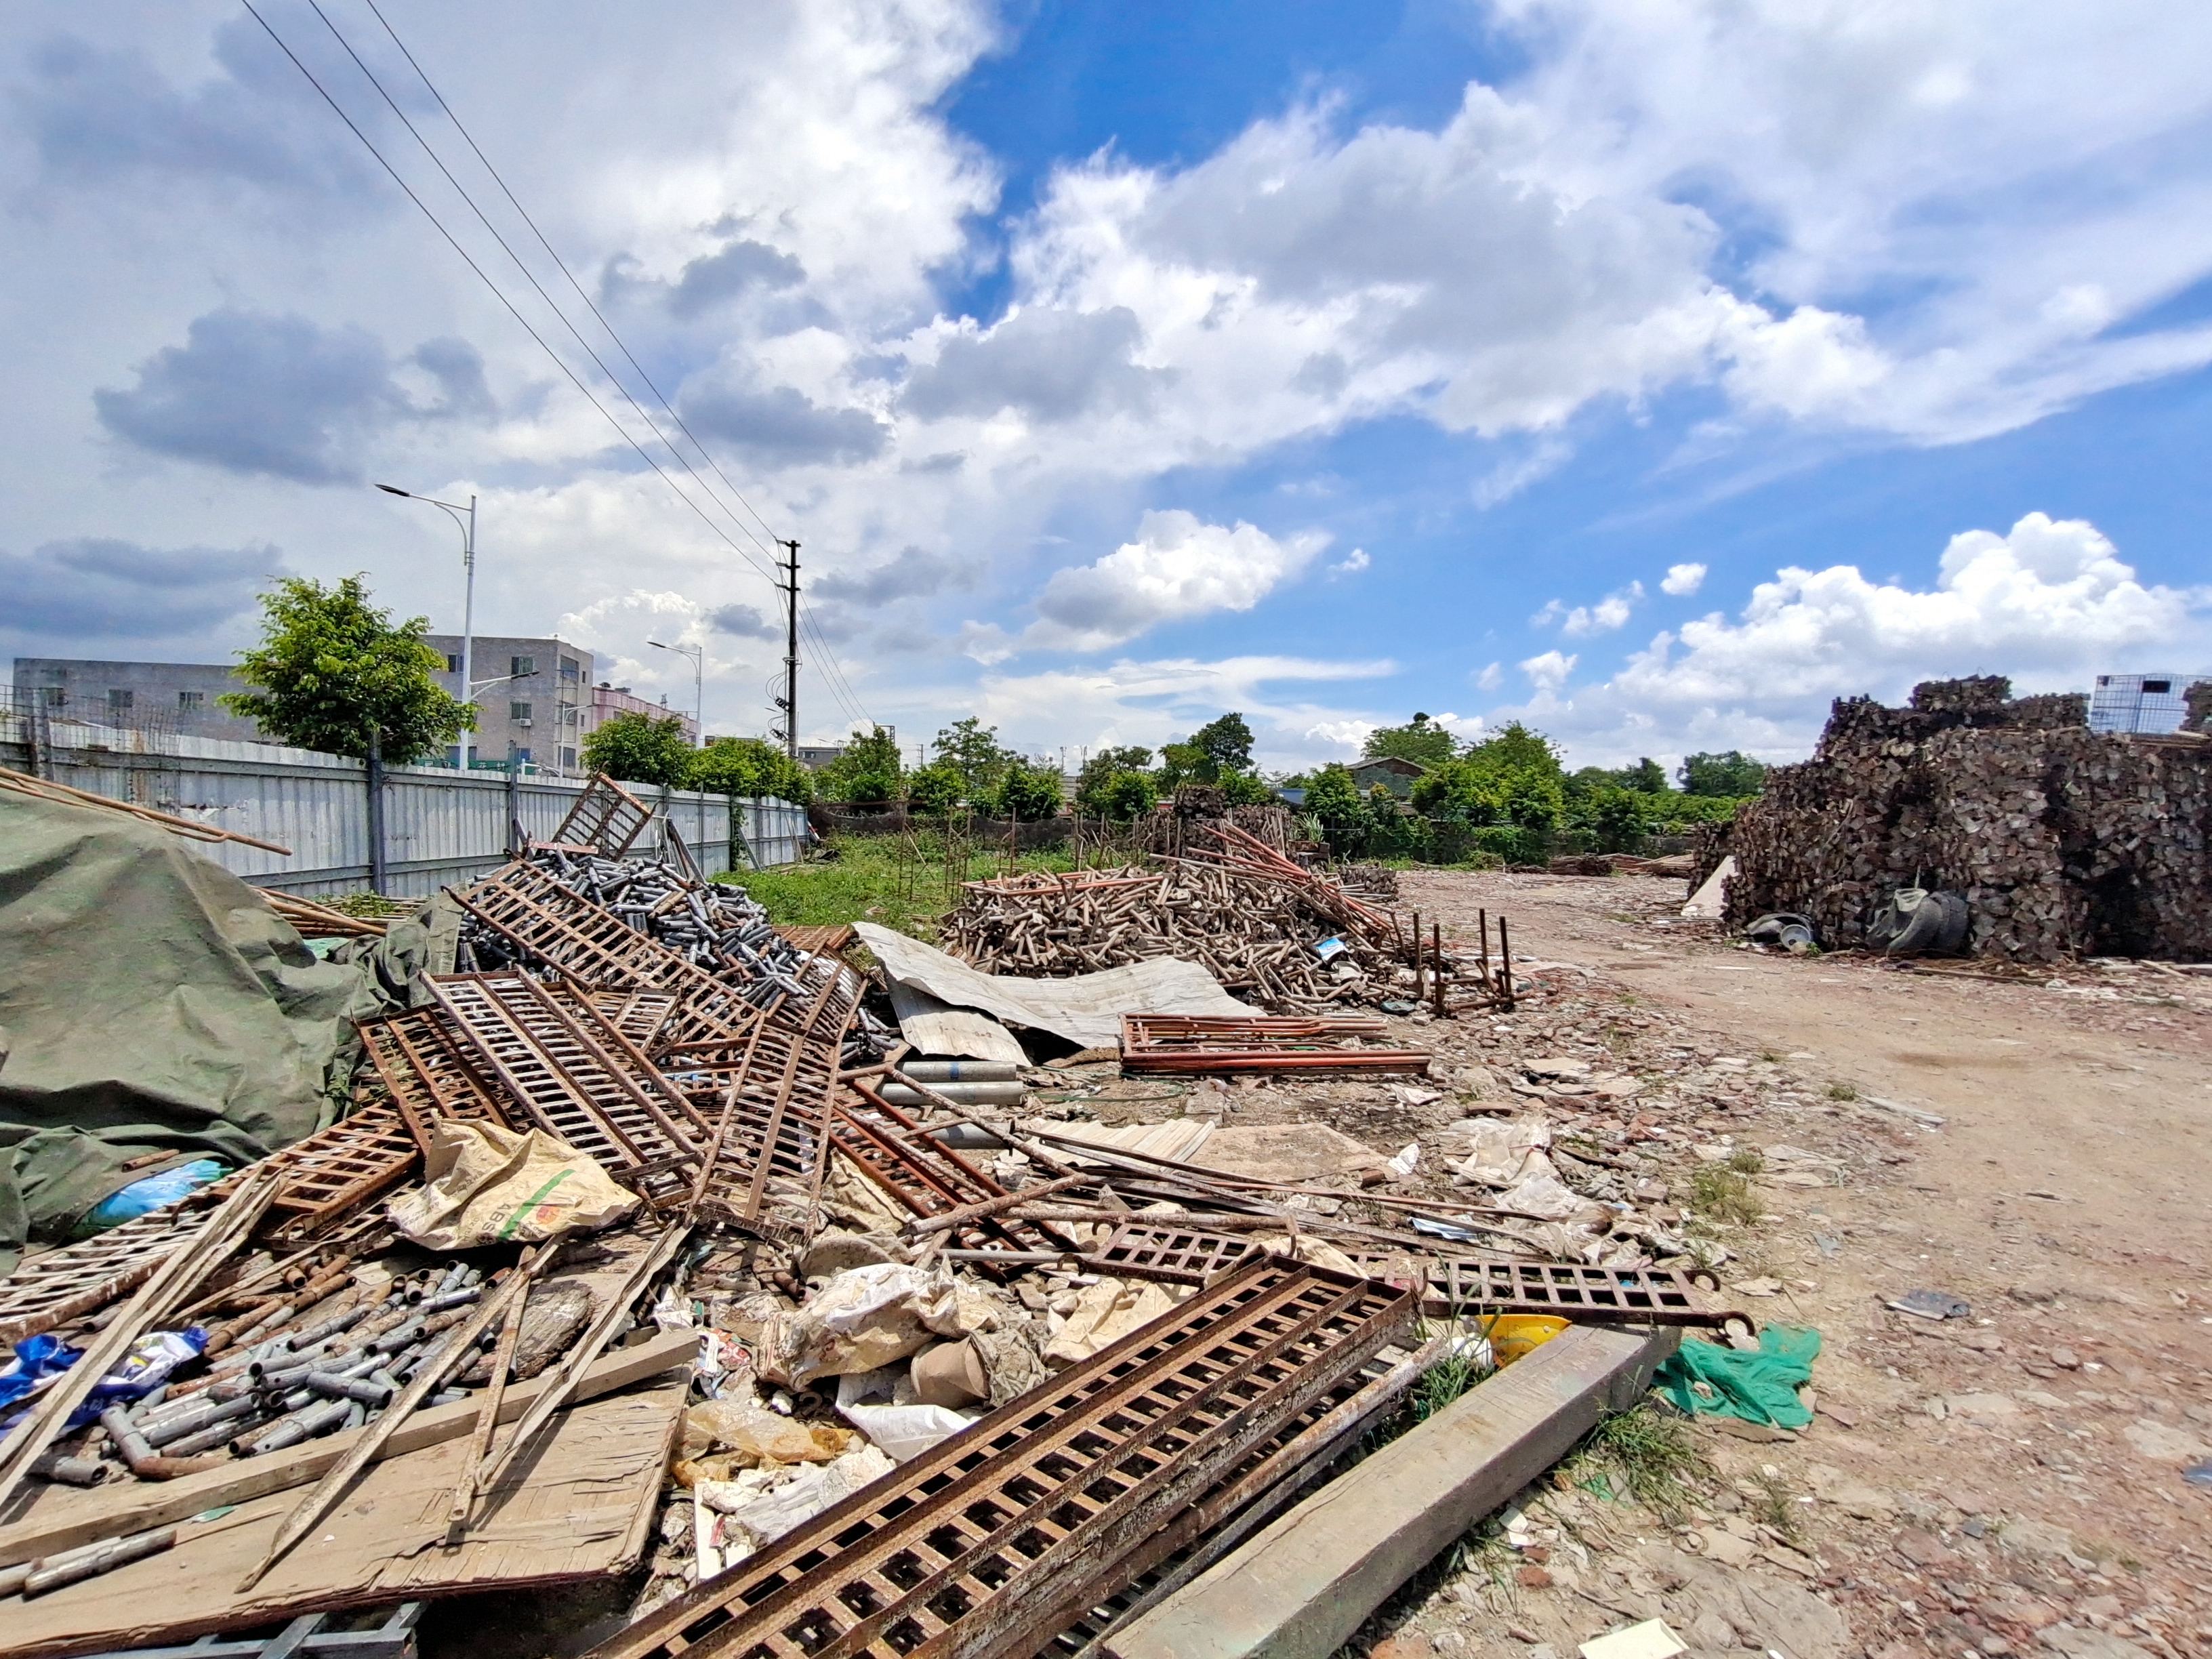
[
  {"x": 74, "y": 1517},
  {"x": 1301, "y": 1588}
]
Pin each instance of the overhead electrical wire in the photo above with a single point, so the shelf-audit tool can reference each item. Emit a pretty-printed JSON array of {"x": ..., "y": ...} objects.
[{"x": 833, "y": 676}]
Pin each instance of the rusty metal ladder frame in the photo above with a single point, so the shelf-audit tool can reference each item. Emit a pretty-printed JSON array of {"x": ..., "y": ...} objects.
[
  {"x": 929, "y": 1179},
  {"x": 429, "y": 1071},
  {"x": 991, "y": 1542},
  {"x": 1453, "y": 1284},
  {"x": 579, "y": 1080},
  {"x": 600, "y": 809}
]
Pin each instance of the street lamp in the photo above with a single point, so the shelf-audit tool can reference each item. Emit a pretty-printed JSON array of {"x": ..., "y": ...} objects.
[
  {"x": 698, "y": 655},
  {"x": 468, "y": 527}
]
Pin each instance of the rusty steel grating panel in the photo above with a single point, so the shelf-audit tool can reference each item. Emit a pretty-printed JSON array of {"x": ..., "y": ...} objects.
[
  {"x": 606, "y": 817},
  {"x": 555, "y": 924},
  {"x": 827, "y": 940},
  {"x": 994, "y": 1540},
  {"x": 76, "y": 1278},
  {"x": 930, "y": 1179},
  {"x": 1174, "y": 1044},
  {"x": 639, "y": 1015},
  {"x": 1644, "y": 1296},
  {"x": 769, "y": 1098},
  {"x": 1157, "y": 1249},
  {"x": 429, "y": 1071},
  {"x": 335, "y": 1170},
  {"x": 579, "y": 1080}
]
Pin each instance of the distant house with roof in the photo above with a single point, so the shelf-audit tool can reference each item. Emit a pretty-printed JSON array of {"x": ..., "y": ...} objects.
[{"x": 1396, "y": 775}]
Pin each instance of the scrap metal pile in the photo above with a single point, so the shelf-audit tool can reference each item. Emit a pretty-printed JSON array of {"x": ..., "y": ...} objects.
[
  {"x": 822, "y": 1355},
  {"x": 1270, "y": 930}
]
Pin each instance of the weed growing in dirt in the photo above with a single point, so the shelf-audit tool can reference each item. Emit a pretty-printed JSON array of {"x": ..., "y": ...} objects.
[
  {"x": 1776, "y": 1506},
  {"x": 1722, "y": 1193},
  {"x": 1842, "y": 1091},
  {"x": 1646, "y": 1454}
]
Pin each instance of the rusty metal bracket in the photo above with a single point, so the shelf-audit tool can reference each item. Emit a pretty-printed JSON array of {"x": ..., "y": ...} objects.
[{"x": 993, "y": 1541}]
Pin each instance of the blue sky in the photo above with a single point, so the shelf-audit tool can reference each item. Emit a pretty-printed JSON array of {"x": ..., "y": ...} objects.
[{"x": 1654, "y": 370}]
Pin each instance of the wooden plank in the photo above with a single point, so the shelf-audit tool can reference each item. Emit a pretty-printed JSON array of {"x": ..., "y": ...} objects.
[
  {"x": 65, "y": 1517},
  {"x": 1303, "y": 1586},
  {"x": 571, "y": 1512}
]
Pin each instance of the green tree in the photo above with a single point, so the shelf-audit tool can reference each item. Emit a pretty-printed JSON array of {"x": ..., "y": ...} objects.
[
  {"x": 1125, "y": 797},
  {"x": 640, "y": 749},
  {"x": 1646, "y": 777},
  {"x": 1247, "y": 789},
  {"x": 936, "y": 788},
  {"x": 1617, "y": 817},
  {"x": 1027, "y": 792},
  {"x": 1333, "y": 799},
  {"x": 748, "y": 766},
  {"x": 1421, "y": 741},
  {"x": 1516, "y": 748},
  {"x": 868, "y": 772},
  {"x": 1224, "y": 746},
  {"x": 1734, "y": 773},
  {"x": 1102, "y": 770},
  {"x": 332, "y": 668},
  {"x": 975, "y": 749},
  {"x": 1182, "y": 762}
]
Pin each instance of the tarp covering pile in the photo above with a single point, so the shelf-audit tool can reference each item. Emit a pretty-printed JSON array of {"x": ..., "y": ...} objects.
[{"x": 150, "y": 1001}]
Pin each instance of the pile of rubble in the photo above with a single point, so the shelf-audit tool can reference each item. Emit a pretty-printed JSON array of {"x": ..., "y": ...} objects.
[
  {"x": 775, "y": 1316},
  {"x": 2063, "y": 842}
]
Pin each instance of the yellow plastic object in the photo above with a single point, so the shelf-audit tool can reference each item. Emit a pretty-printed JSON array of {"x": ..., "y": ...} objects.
[{"x": 1512, "y": 1335}]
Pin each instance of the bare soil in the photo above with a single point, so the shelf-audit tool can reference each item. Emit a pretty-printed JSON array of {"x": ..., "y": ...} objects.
[{"x": 2006, "y": 1482}]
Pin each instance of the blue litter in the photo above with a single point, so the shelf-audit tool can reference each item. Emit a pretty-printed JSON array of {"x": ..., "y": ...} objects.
[{"x": 144, "y": 1197}]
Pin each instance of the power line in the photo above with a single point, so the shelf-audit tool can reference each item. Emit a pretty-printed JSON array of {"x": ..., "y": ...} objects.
[{"x": 835, "y": 677}]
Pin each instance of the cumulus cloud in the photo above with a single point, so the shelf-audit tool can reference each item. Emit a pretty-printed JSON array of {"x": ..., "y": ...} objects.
[
  {"x": 1609, "y": 614},
  {"x": 1049, "y": 365},
  {"x": 283, "y": 396},
  {"x": 740, "y": 266},
  {"x": 1178, "y": 568},
  {"x": 913, "y": 572},
  {"x": 744, "y": 620},
  {"x": 1341, "y": 734},
  {"x": 778, "y": 426},
  {"x": 1352, "y": 563},
  {"x": 1683, "y": 580},
  {"x": 2049, "y": 604},
  {"x": 105, "y": 588}
]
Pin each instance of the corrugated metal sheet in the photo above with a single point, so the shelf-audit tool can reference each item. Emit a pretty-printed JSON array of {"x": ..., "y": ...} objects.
[{"x": 440, "y": 826}]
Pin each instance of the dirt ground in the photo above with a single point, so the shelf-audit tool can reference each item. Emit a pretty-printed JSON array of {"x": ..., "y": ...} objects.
[{"x": 2010, "y": 1481}]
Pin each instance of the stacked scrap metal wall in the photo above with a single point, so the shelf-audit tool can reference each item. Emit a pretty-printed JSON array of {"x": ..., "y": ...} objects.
[{"x": 2064, "y": 842}]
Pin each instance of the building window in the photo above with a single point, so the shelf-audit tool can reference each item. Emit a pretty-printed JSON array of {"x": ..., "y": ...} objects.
[
  {"x": 522, "y": 756},
  {"x": 453, "y": 662},
  {"x": 54, "y": 696},
  {"x": 119, "y": 700},
  {"x": 522, "y": 666},
  {"x": 2157, "y": 687},
  {"x": 570, "y": 668},
  {"x": 567, "y": 760},
  {"x": 517, "y": 711},
  {"x": 192, "y": 702}
]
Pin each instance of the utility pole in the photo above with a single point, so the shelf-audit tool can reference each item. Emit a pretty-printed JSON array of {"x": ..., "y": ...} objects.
[
  {"x": 791, "y": 651},
  {"x": 468, "y": 528}
]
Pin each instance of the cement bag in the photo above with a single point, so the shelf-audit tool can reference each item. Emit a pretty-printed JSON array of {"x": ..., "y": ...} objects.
[
  {"x": 486, "y": 1185},
  {"x": 861, "y": 1321}
]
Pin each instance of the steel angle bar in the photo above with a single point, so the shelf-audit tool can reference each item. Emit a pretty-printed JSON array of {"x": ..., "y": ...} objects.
[
  {"x": 929, "y": 1178},
  {"x": 430, "y": 1072},
  {"x": 1172, "y": 1044},
  {"x": 1627, "y": 1295},
  {"x": 996, "y": 1540},
  {"x": 579, "y": 1080},
  {"x": 605, "y": 818}
]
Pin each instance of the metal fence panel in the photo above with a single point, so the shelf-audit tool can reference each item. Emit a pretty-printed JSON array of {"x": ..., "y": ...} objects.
[{"x": 440, "y": 826}]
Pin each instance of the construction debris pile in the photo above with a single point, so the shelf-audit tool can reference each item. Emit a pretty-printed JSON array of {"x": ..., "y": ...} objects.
[
  {"x": 780, "y": 1325},
  {"x": 1269, "y": 930},
  {"x": 2064, "y": 842}
]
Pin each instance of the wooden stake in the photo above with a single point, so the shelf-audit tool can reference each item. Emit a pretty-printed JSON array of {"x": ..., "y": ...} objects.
[{"x": 502, "y": 1362}]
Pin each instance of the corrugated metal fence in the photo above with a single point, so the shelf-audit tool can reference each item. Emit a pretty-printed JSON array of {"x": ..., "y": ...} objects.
[{"x": 440, "y": 826}]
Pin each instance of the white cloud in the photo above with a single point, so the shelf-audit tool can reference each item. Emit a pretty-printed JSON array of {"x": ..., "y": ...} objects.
[
  {"x": 1342, "y": 734},
  {"x": 1178, "y": 568},
  {"x": 1609, "y": 614},
  {"x": 1491, "y": 677},
  {"x": 1683, "y": 580},
  {"x": 1549, "y": 671},
  {"x": 2049, "y": 603},
  {"x": 1352, "y": 563}
]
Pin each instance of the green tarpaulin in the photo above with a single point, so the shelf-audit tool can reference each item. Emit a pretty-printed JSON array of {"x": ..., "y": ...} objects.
[{"x": 149, "y": 1002}]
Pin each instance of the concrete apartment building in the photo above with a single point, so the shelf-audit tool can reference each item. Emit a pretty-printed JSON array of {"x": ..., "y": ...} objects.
[{"x": 535, "y": 693}]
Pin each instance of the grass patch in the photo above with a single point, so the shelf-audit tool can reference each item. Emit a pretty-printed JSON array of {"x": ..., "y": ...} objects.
[
  {"x": 1842, "y": 1091},
  {"x": 1644, "y": 1454},
  {"x": 1722, "y": 1193},
  {"x": 1775, "y": 1505},
  {"x": 882, "y": 879}
]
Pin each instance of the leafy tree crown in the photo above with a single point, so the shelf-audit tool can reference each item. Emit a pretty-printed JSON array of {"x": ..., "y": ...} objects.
[
  {"x": 746, "y": 767},
  {"x": 1420, "y": 740},
  {"x": 638, "y": 748}
]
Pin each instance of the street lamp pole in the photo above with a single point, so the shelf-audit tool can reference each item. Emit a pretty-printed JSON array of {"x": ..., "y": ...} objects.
[
  {"x": 466, "y": 519},
  {"x": 698, "y": 655}
]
